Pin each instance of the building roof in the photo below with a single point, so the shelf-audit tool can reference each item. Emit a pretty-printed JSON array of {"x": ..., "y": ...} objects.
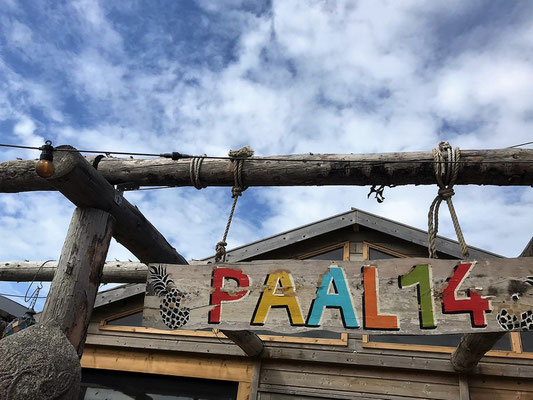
[
  {"x": 306, "y": 232},
  {"x": 354, "y": 216},
  {"x": 10, "y": 308}
]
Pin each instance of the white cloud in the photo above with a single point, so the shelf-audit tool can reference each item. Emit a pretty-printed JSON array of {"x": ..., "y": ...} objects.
[{"x": 321, "y": 77}]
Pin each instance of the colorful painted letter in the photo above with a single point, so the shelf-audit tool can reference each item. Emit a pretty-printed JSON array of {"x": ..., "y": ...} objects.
[
  {"x": 371, "y": 317},
  {"x": 341, "y": 299},
  {"x": 219, "y": 295},
  {"x": 476, "y": 305},
  {"x": 420, "y": 276},
  {"x": 270, "y": 297}
]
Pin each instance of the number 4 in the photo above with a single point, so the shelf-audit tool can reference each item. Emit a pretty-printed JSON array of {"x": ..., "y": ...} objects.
[{"x": 474, "y": 304}]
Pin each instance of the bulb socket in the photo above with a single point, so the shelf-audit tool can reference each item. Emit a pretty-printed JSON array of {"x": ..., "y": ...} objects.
[
  {"x": 45, "y": 167},
  {"x": 47, "y": 151}
]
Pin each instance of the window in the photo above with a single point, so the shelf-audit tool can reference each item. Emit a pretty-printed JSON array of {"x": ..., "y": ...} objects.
[
  {"x": 435, "y": 343},
  {"x": 101, "y": 384}
]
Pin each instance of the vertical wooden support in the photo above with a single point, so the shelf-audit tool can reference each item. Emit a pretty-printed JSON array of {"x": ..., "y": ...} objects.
[
  {"x": 254, "y": 386},
  {"x": 73, "y": 291},
  {"x": 464, "y": 390}
]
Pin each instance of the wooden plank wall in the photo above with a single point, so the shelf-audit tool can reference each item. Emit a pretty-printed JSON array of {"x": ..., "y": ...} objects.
[
  {"x": 292, "y": 371},
  {"x": 280, "y": 380}
]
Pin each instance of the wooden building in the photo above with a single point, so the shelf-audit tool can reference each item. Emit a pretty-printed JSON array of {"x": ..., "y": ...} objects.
[
  {"x": 9, "y": 310},
  {"x": 123, "y": 360}
]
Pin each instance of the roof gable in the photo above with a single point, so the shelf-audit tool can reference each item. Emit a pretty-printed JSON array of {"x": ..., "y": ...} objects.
[{"x": 354, "y": 216}]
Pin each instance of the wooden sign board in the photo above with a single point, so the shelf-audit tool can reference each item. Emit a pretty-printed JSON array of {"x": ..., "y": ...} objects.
[{"x": 404, "y": 296}]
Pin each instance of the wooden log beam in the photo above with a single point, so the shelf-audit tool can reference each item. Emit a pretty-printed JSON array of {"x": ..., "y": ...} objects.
[
  {"x": 503, "y": 167},
  {"x": 73, "y": 291},
  {"x": 84, "y": 186},
  {"x": 471, "y": 348},
  {"x": 249, "y": 342},
  {"x": 113, "y": 271}
]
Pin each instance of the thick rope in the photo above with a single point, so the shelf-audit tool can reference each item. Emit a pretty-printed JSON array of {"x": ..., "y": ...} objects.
[
  {"x": 238, "y": 157},
  {"x": 194, "y": 172},
  {"x": 446, "y": 167}
]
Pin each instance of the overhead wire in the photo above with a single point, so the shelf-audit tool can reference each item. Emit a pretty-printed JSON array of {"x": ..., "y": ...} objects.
[
  {"x": 519, "y": 145},
  {"x": 273, "y": 159}
]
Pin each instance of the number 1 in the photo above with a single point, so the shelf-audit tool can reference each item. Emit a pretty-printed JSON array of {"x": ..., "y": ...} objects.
[{"x": 420, "y": 276}]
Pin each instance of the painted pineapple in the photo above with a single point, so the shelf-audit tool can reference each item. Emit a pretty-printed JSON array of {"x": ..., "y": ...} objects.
[
  {"x": 506, "y": 318},
  {"x": 173, "y": 316}
]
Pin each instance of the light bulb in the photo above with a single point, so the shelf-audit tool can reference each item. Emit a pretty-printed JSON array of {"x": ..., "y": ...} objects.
[{"x": 45, "y": 167}]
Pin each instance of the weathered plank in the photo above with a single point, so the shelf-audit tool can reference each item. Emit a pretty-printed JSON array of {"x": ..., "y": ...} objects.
[
  {"x": 474, "y": 346},
  {"x": 505, "y": 167},
  {"x": 73, "y": 291},
  {"x": 405, "y": 296},
  {"x": 113, "y": 271}
]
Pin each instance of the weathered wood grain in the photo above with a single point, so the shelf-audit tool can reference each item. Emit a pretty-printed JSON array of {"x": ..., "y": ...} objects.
[
  {"x": 113, "y": 271},
  {"x": 474, "y": 346},
  {"x": 503, "y": 167},
  {"x": 498, "y": 285},
  {"x": 82, "y": 184},
  {"x": 73, "y": 291}
]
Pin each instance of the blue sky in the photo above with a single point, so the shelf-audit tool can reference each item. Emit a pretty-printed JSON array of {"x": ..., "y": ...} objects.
[{"x": 284, "y": 77}]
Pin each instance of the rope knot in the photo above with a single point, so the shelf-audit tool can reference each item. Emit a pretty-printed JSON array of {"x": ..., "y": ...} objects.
[
  {"x": 243, "y": 152},
  {"x": 446, "y": 193},
  {"x": 236, "y": 191},
  {"x": 220, "y": 251},
  {"x": 446, "y": 166}
]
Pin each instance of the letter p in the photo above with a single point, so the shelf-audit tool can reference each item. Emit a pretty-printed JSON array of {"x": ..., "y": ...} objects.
[{"x": 219, "y": 295}]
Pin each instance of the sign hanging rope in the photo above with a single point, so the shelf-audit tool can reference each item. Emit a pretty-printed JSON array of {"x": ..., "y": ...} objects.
[
  {"x": 237, "y": 159},
  {"x": 446, "y": 170}
]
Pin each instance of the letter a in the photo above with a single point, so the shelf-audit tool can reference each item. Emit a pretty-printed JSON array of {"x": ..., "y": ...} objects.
[
  {"x": 278, "y": 282},
  {"x": 341, "y": 299}
]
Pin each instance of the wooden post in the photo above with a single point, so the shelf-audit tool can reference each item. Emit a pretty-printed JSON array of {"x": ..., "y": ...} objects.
[
  {"x": 83, "y": 185},
  {"x": 504, "y": 167},
  {"x": 73, "y": 291},
  {"x": 464, "y": 389}
]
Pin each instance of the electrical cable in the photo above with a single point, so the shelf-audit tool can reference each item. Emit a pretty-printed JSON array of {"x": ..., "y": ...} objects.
[
  {"x": 518, "y": 145},
  {"x": 271, "y": 159}
]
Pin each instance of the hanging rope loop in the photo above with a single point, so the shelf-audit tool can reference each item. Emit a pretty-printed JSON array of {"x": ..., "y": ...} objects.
[
  {"x": 446, "y": 165},
  {"x": 194, "y": 172},
  {"x": 237, "y": 159}
]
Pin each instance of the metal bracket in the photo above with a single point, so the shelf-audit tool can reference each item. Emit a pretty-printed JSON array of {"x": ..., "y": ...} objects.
[{"x": 121, "y": 188}]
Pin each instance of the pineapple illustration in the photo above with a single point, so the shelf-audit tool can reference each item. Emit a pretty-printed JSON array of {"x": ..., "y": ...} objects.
[{"x": 173, "y": 316}]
